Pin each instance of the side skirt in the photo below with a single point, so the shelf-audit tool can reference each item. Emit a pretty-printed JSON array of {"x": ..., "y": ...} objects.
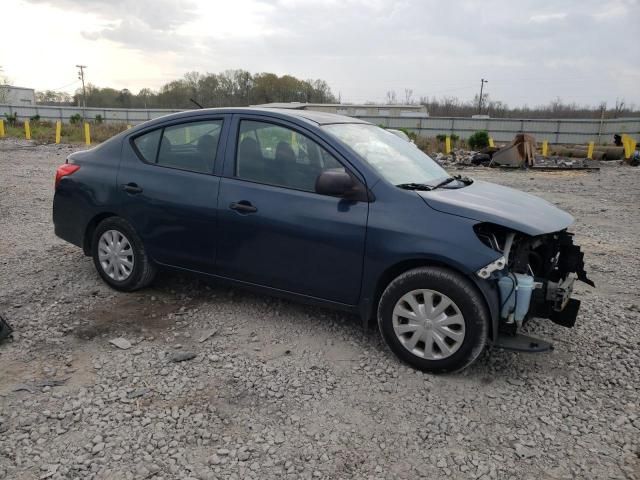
[{"x": 274, "y": 292}]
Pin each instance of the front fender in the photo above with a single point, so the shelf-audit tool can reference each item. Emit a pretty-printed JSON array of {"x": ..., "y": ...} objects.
[{"x": 404, "y": 233}]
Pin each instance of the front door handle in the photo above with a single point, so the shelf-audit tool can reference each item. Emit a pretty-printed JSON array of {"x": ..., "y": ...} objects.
[
  {"x": 132, "y": 188},
  {"x": 243, "y": 206}
]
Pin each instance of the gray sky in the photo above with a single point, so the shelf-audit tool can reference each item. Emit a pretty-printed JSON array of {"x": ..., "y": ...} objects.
[{"x": 531, "y": 51}]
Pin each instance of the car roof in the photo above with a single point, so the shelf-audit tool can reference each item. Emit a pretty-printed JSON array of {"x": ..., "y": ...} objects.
[
  {"x": 309, "y": 116},
  {"x": 321, "y": 118}
]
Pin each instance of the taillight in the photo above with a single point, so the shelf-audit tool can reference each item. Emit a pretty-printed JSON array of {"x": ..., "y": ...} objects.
[{"x": 64, "y": 170}]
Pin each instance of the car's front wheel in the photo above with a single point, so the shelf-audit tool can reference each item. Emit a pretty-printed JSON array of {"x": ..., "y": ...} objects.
[
  {"x": 120, "y": 257},
  {"x": 434, "y": 319}
]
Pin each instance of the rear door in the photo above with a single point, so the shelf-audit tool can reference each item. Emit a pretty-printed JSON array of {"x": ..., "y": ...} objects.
[
  {"x": 169, "y": 187},
  {"x": 274, "y": 229}
]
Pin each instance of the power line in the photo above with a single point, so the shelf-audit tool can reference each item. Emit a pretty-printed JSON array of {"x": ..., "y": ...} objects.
[{"x": 65, "y": 86}]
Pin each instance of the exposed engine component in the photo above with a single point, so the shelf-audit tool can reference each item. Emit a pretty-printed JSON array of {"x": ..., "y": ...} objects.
[
  {"x": 538, "y": 276},
  {"x": 515, "y": 296}
]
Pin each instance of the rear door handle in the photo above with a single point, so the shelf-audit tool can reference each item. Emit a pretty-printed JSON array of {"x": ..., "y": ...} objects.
[
  {"x": 243, "y": 206},
  {"x": 132, "y": 188}
]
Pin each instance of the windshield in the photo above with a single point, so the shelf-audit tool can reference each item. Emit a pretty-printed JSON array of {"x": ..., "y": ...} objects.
[{"x": 397, "y": 160}]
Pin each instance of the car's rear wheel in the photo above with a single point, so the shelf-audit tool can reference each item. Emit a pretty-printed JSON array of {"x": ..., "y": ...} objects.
[
  {"x": 434, "y": 319},
  {"x": 119, "y": 255}
]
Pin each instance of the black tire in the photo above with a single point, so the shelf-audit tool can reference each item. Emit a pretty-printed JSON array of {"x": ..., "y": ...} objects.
[
  {"x": 466, "y": 297},
  {"x": 143, "y": 270}
]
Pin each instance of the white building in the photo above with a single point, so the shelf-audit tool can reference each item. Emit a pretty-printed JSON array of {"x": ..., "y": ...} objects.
[
  {"x": 17, "y": 96},
  {"x": 357, "y": 110}
]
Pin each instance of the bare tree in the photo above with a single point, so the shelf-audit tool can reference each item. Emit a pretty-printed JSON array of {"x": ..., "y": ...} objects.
[
  {"x": 391, "y": 97},
  {"x": 408, "y": 96}
]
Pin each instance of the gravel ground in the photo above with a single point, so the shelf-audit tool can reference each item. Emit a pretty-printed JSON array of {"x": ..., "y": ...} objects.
[{"x": 281, "y": 390}]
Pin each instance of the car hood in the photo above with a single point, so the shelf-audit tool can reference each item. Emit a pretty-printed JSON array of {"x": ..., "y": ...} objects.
[{"x": 488, "y": 202}]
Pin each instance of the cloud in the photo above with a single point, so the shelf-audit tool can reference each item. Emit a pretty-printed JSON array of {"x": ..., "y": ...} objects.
[
  {"x": 138, "y": 35},
  {"x": 613, "y": 10},
  {"x": 546, "y": 17},
  {"x": 156, "y": 14},
  {"x": 530, "y": 50}
]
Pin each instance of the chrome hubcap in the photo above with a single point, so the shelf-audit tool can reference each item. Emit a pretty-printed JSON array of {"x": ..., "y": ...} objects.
[
  {"x": 116, "y": 255},
  {"x": 428, "y": 324}
]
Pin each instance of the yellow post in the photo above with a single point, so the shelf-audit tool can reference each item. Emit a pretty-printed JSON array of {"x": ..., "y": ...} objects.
[
  {"x": 58, "y": 131},
  {"x": 590, "y": 151},
  {"x": 1, "y": 128},
  {"x": 545, "y": 148},
  {"x": 491, "y": 144},
  {"x": 631, "y": 146},
  {"x": 27, "y": 130},
  {"x": 625, "y": 145},
  {"x": 87, "y": 134},
  {"x": 128, "y": 127},
  {"x": 447, "y": 144}
]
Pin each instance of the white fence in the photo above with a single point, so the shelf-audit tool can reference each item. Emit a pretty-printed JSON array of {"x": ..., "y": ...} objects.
[
  {"x": 501, "y": 129},
  {"x": 130, "y": 116},
  {"x": 576, "y": 131}
]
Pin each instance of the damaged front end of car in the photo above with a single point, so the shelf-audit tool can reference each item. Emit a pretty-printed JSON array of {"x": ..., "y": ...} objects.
[{"x": 535, "y": 277}]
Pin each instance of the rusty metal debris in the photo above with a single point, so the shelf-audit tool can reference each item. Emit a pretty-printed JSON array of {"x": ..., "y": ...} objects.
[
  {"x": 580, "y": 151},
  {"x": 520, "y": 153}
]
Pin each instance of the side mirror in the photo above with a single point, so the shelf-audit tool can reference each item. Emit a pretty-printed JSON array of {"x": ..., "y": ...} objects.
[{"x": 334, "y": 183}]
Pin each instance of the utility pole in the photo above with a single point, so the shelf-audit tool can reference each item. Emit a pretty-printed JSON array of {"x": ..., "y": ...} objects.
[
  {"x": 603, "y": 109},
  {"x": 482, "y": 82},
  {"x": 84, "y": 91}
]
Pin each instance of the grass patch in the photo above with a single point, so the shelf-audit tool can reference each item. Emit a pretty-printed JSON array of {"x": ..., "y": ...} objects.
[
  {"x": 433, "y": 145},
  {"x": 45, "y": 132}
]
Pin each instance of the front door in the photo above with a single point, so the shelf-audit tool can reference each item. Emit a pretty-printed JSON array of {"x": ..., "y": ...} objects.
[
  {"x": 274, "y": 229},
  {"x": 169, "y": 191}
]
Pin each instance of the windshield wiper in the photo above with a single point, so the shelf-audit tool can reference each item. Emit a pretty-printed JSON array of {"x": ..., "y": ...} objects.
[
  {"x": 465, "y": 180},
  {"x": 427, "y": 187},
  {"x": 415, "y": 186},
  {"x": 444, "y": 182},
  {"x": 459, "y": 178}
]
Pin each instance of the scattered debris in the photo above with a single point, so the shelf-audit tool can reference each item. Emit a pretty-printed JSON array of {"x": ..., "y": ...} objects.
[
  {"x": 521, "y": 153},
  {"x": 177, "y": 357},
  {"x": 634, "y": 161},
  {"x": 5, "y": 329},
  {"x": 481, "y": 159},
  {"x": 24, "y": 387},
  {"x": 138, "y": 392},
  {"x": 121, "y": 343},
  {"x": 50, "y": 382},
  {"x": 526, "y": 452},
  {"x": 208, "y": 335},
  {"x": 35, "y": 386}
]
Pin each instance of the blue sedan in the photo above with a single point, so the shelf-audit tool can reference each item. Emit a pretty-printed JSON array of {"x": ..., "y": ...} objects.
[{"x": 329, "y": 210}]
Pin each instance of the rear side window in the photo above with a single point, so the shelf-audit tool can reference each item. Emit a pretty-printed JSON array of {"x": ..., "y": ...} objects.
[
  {"x": 147, "y": 145},
  {"x": 189, "y": 146}
]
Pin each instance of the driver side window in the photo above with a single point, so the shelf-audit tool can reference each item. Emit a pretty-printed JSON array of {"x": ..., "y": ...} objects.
[{"x": 276, "y": 155}]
